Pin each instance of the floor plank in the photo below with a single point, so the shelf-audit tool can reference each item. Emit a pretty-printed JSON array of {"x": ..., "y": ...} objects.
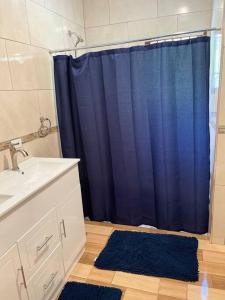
[
  {"x": 173, "y": 288},
  {"x": 131, "y": 294},
  {"x": 202, "y": 293},
  {"x": 81, "y": 270},
  {"x": 101, "y": 275},
  {"x": 104, "y": 230},
  {"x": 211, "y": 284},
  {"x": 139, "y": 282}
]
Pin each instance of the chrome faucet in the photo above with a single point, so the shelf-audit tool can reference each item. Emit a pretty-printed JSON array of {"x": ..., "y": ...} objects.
[{"x": 13, "y": 153}]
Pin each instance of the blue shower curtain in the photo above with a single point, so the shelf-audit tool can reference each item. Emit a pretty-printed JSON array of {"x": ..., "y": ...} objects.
[{"x": 138, "y": 119}]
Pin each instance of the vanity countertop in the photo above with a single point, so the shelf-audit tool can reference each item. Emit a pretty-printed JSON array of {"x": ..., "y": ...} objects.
[{"x": 35, "y": 173}]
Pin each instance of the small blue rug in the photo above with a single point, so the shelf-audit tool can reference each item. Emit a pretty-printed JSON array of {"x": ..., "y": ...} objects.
[
  {"x": 160, "y": 255},
  {"x": 83, "y": 291}
]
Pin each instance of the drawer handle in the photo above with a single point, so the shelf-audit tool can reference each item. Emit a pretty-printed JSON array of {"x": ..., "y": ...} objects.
[
  {"x": 64, "y": 227},
  {"x": 23, "y": 276},
  {"x": 47, "y": 285},
  {"x": 47, "y": 239}
]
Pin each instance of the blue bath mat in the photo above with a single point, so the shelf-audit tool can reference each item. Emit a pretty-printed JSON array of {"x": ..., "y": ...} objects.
[
  {"x": 160, "y": 255},
  {"x": 83, "y": 291}
]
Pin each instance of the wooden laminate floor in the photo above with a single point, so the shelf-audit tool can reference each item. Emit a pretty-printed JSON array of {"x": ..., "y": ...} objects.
[{"x": 211, "y": 285}]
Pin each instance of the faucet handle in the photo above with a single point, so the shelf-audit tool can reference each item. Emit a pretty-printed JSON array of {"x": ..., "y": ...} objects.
[
  {"x": 15, "y": 144},
  {"x": 25, "y": 152}
]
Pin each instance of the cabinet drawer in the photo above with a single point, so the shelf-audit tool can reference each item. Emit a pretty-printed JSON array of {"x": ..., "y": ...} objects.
[
  {"x": 47, "y": 280},
  {"x": 38, "y": 243}
]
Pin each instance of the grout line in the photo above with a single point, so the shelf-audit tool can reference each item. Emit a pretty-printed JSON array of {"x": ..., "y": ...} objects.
[
  {"x": 54, "y": 12},
  {"x": 9, "y": 66},
  {"x": 157, "y": 9},
  {"x": 84, "y": 14},
  {"x": 109, "y": 5},
  {"x": 29, "y": 32},
  {"x": 146, "y": 19},
  {"x": 84, "y": 21},
  {"x": 177, "y": 20},
  {"x": 31, "y": 90},
  {"x": 27, "y": 22},
  {"x": 113, "y": 277},
  {"x": 7, "y": 57},
  {"x": 23, "y": 43}
]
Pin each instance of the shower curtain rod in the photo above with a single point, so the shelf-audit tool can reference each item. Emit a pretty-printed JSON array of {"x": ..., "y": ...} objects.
[{"x": 156, "y": 38}]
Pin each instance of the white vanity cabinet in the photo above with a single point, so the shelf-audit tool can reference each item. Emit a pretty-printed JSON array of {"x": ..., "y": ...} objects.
[
  {"x": 12, "y": 282},
  {"x": 72, "y": 230},
  {"x": 47, "y": 281},
  {"x": 43, "y": 236}
]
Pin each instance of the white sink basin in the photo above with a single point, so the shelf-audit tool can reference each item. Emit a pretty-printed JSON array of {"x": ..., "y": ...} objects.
[{"x": 35, "y": 173}]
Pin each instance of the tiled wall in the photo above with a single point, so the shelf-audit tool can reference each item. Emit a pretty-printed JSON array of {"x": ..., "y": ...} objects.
[
  {"x": 28, "y": 29},
  {"x": 215, "y": 63},
  {"x": 218, "y": 192},
  {"x": 115, "y": 20}
]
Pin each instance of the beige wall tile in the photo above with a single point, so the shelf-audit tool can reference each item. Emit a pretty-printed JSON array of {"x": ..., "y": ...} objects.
[
  {"x": 78, "y": 12},
  {"x": 69, "y": 42},
  {"x": 45, "y": 27},
  {"x": 13, "y": 20},
  {"x": 217, "y": 17},
  {"x": 44, "y": 147},
  {"x": 220, "y": 160},
  {"x": 152, "y": 27},
  {"x": 4, "y": 160},
  {"x": 194, "y": 21},
  {"x": 41, "y": 2},
  {"x": 200, "y": 293},
  {"x": 5, "y": 80},
  {"x": 172, "y": 7},
  {"x": 20, "y": 115},
  {"x": 47, "y": 105},
  {"x": 43, "y": 67},
  {"x": 139, "y": 282},
  {"x": 55, "y": 5},
  {"x": 130, "y": 10},
  {"x": 106, "y": 34},
  {"x": 218, "y": 221},
  {"x": 68, "y": 10},
  {"x": 221, "y": 118},
  {"x": 61, "y": 7},
  {"x": 22, "y": 66},
  {"x": 218, "y": 4},
  {"x": 96, "y": 12},
  {"x": 29, "y": 66}
]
